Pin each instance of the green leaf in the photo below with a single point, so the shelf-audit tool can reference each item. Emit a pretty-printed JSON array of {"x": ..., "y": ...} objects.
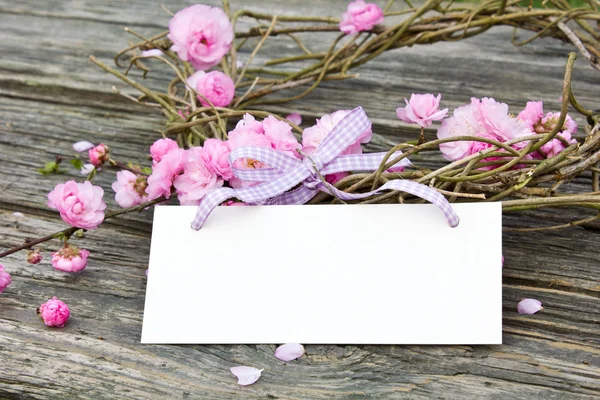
[
  {"x": 147, "y": 170},
  {"x": 49, "y": 168},
  {"x": 77, "y": 163}
]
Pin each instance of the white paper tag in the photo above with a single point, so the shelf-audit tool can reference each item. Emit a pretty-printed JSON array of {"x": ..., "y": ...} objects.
[{"x": 344, "y": 274}]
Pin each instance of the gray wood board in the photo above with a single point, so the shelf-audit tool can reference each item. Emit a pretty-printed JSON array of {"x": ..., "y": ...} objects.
[{"x": 52, "y": 96}]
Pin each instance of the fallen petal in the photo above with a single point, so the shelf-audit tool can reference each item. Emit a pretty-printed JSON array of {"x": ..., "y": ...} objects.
[
  {"x": 289, "y": 351},
  {"x": 246, "y": 375},
  {"x": 294, "y": 118},
  {"x": 150, "y": 53},
  {"x": 82, "y": 146},
  {"x": 86, "y": 169},
  {"x": 18, "y": 214},
  {"x": 529, "y": 306}
]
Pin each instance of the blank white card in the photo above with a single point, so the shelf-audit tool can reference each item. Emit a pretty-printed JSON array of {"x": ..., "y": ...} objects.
[{"x": 345, "y": 274}]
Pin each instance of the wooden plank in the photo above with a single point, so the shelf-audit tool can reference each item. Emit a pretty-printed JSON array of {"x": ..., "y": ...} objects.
[{"x": 51, "y": 96}]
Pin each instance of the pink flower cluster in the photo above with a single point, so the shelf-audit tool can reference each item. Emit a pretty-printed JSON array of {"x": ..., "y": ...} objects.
[
  {"x": 489, "y": 119},
  {"x": 192, "y": 173},
  {"x": 533, "y": 116}
]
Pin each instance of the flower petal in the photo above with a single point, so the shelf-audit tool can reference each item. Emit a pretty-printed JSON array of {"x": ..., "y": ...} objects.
[
  {"x": 151, "y": 53},
  {"x": 529, "y": 306},
  {"x": 294, "y": 118},
  {"x": 86, "y": 169},
  {"x": 289, "y": 351},
  {"x": 246, "y": 375},
  {"x": 82, "y": 146}
]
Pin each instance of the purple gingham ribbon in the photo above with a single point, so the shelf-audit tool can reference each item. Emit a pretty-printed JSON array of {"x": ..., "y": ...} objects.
[{"x": 286, "y": 172}]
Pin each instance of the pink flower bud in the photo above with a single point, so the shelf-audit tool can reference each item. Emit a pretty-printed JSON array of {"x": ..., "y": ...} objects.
[
  {"x": 54, "y": 312},
  {"x": 4, "y": 278},
  {"x": 529, "y": 306},
  {"x": 99, "y": 155},
  {"x": 70, "y": 259},
  {"x": 34, "y": 257}
]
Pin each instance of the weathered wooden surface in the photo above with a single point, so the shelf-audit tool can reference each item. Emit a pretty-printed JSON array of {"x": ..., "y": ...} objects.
[{"x": 51, "y": 96}]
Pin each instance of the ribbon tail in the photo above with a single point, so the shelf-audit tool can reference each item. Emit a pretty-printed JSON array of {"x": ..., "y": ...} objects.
[
  {"x": 414, "y": 188},
  {"x": 209, "y": 202},
  {"x": 362, "y": 162}
]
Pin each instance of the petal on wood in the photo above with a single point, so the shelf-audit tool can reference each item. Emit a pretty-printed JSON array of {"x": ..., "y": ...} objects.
[
  {"x": 289, "y": 351},
  {"x": 529, "y": 306},
  {"x": 246, "y": 375},
  {"x": 82, "y": 146}
]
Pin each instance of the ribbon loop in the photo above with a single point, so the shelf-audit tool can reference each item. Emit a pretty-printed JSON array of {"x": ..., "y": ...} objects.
[{"x": 284, "y": 173}]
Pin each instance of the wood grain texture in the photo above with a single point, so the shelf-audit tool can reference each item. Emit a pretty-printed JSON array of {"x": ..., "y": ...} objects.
[{"x": 51, "y": 96}]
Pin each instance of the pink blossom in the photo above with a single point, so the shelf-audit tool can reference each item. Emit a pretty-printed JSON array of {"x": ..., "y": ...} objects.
[
  {"x": 294, "y": 118},
  {"x": 249, "y": 124},
  {"x": 422, "y": 109},
  {"x": 197, "y": 180},
  {"x": 99, "y": 155},
  {"x": 484, "y": 118},
  {"x": 82, "y": 146},
  {"x": 532, "y": 114},
  {"x": 246, "y": 135},
  {"x": 360, "y": 16},
  {"x": 233, "y": 203},
  {"x": 555, "y": 146},
  {"x": 201, "y": 35},
  {"x": 130, "y": 189},
  {"x": 529, "y": 306},
  {"x": 216, "y": 156},
  {"x": 462, "y": 123},
  {"x": 215, "y": 86},
  {"x": 496, "y": 121},
  {"x": 548, "y": 123},
  {"x": 246, "y": 375},
  {"x": 313, "y": 136},
  {"x": 163, "y": 174},
  {"x": 54, "y": 312},
  {"x": 70, "y": 259},
  {"x": 34, "y": 257},
  {"x": 79, "y": 204},
  {"x": 289, "y": 351},
  {"x": 280, "y": 135},
  {"x": 5, "y": 279},
  {"x": 160, "y": 148}
]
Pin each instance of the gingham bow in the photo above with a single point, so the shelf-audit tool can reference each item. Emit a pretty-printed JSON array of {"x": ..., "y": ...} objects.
[{"x": 286, "y": 172}]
